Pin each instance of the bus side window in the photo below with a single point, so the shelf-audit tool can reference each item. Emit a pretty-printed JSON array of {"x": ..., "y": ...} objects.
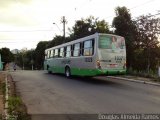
[
  {"x": 68, "y": 51},
  {"x": 76, "y": 49},
  {"x": 61, "y": 52},
  {"x": 88, "y": 48},
  {"x": 56, "y": 53},
  {"x": 48, "y": 54},
  {"x": 51, "y": 54}
]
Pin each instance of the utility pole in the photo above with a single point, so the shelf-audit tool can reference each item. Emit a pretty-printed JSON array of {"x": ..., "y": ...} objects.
[{"x": 64, "y": 22}]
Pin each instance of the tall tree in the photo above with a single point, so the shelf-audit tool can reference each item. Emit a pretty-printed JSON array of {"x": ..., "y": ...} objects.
[
  {"x": 40, "y": 54},
  {"x": 25, "y": 59},
  {"x": 85, "y": 27},
  {"x": 125, "y": 27},
  {"x": 149, "y": 29},
  {"x": 6, "y": 55},
  {"x": 82, "y": 28}
]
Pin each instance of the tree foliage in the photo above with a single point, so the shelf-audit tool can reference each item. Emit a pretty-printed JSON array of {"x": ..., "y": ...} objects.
[
  {"x": 6, "y": 55},
  {"x": 40, "y": 54},
  {"x": 141, "y": 37},
  {"x": 82, "y": 28},
  {"x": 85, "y": 27},
  {"x": 124, "y": 26},
  {"x": 26, "y": 58},
  {"x": 57, "y": 40},
  {"x": 148, "y": 28}
]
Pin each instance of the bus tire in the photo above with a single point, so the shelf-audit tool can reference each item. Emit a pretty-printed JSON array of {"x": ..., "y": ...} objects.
[
  {"x": 48, "y": 69},
  {"x": 67, "y": 72}
]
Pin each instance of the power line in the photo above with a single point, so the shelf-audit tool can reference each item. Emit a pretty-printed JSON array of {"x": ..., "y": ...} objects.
[
  {"x": 142, "y": 4},
  {"x": 135, "y": 7},
  {"x": 129, "y": 8}
]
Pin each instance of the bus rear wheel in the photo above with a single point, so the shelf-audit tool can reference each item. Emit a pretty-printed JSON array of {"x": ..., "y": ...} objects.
[
  {"x": 67, "y": 72},
  {"x": 48, "y": 69}
]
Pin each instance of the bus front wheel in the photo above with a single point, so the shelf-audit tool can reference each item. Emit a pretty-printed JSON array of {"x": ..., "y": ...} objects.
[{"x": 67, "y": 72}]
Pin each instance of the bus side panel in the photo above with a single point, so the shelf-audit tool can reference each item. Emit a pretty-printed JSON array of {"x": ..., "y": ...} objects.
[
  {"x": 82, "y": 66},
  {"x": 57, "y": 66},
  {"x": 85, "y": 65}
]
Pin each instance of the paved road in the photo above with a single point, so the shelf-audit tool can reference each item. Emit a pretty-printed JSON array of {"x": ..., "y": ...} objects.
[{"x": 54, "y": 94}]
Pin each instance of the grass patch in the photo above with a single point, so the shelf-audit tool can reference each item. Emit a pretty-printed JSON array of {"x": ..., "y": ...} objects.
[
  {"x": 153, "y": 75},
  {"x": 3, "y": 88},
  {"x": 16, "y": 109},
  {"x": 1, "y": 117},
  {"x": 13, "y": 104}
]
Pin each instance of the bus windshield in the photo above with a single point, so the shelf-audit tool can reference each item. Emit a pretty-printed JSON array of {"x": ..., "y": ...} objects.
[{"x": 111, "y": 42}]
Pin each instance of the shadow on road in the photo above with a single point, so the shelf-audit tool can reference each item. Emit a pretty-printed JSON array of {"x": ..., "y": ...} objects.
[{"x": 100, "y": 80}]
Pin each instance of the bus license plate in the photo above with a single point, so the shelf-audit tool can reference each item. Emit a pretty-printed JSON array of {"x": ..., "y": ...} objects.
[{"x": 112, "y": 65}]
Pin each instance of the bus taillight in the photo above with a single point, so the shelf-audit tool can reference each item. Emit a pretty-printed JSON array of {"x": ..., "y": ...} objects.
[
  {"x": 98, "y": 64},
  {"x": 124, "y": 67}
]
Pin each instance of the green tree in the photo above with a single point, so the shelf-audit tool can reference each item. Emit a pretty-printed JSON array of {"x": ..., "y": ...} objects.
[
  {"x": 82, "y": 28},
  {"x": 57, "y": 40},
  {"x": 29, "y": 58},
  {"x": 85, "y": 27},
  {"x": 125, "y": 27},
  {"x": 149, "y": 29},
  {"x": 6, "y": 55},
  {"x": 19, "y": 59},
  {"x": 25, "y": 58},
  {"x": 40, "y": 54}
]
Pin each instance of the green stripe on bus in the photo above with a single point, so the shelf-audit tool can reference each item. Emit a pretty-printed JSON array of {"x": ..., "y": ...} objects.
[
  {"x": 56, "y": 69},
  {"x": 87, "y": 72},
  {"x": 94, "y": 72}
]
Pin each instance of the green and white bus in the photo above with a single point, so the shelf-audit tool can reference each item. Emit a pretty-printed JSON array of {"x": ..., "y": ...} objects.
[{"x": 97, "y": 54}]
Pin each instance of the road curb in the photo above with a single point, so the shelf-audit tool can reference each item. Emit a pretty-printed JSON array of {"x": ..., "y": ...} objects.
[{"x": 133, "y": 80}]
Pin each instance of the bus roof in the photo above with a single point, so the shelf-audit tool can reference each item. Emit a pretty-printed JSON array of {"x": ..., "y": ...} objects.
[{"x": 80, "y": 39}]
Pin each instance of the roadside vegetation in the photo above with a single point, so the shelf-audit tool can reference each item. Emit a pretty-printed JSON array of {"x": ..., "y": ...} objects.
[
  {"x": 16, "y": 109},
  {"x": 141, "y": 34},
  {"x": 153, "y": 75},
  {"x": 2, "y": 93}
]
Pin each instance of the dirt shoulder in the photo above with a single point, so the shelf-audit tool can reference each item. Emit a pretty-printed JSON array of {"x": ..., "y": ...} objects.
[{"x": 15, "y": 107}]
